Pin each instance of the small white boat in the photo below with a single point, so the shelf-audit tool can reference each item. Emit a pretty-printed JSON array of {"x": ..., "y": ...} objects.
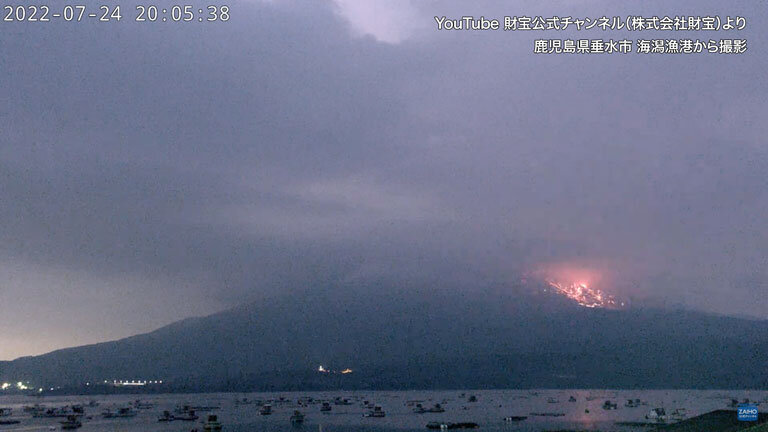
[{"x": 657, "y": 414}]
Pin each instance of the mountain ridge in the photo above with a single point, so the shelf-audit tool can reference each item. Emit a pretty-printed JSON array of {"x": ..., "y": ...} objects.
[{"x": 420, "y": 339}]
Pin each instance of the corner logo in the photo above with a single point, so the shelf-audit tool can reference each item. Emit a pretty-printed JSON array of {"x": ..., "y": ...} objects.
[{"x": 747, "y": 412}]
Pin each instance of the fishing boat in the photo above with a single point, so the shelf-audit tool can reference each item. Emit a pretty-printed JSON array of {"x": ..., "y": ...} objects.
[
  {"x": 266, "y": 410},
  {"x": 657, "y": 414},
  {"x": 437, "y": 408},
  {"x": 297, "y": 418},
  {"x": 61, "y": 412},
  {"x": 187, "y": 416},
  {"x": 463, "y": 425},
  {"x": 678, "y": 414},
  {"x": 376, "y": 412},
  {"x": 212, "y": 424},
  {"x": 182, "y": 409},
  {"x": 204, "y": 407},
  {"x": 120, "y": 413},
  {"x": 71, "y": 423},
  {"x": 443, "y": 426},
  {"x": 36, "y": 408},
  {"x": 138, "y": 404},
  {"x": 50, "y": 413}
]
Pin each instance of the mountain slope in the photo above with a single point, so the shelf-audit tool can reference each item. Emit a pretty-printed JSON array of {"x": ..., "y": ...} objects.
[{"x": 394, "y": 339}]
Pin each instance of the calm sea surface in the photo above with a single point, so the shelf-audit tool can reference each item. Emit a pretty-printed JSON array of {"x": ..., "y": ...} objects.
[{"x": 489, "y": 410}]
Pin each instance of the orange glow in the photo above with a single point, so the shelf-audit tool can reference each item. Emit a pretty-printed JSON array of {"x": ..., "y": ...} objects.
[
  {"x": 584, "y": 295},
  {"x": 579, "y": 282}
]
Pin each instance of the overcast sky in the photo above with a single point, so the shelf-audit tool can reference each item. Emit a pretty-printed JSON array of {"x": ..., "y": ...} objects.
[{"x": 154, "y": 171}]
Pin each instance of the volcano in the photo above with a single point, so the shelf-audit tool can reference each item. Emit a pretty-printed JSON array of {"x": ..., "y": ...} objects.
[{"x": 421, "y": 338}]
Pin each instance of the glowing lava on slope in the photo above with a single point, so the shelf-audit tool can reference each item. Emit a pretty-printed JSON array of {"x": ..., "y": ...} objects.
[
  {"x": 578, "y": 281},
  {"x": 584, "y": 295}
]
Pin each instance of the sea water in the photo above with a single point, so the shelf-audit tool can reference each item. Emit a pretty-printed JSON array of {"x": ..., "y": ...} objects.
[{"x": 489, "y": 411}]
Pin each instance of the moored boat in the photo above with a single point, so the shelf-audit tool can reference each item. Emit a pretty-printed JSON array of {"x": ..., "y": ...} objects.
[
  {"x": 212, "y": 424},
  {"x": 71, "y": 422},
  {"x": 120, "y": 413},
  {"x": 657, "y": 414},
  {"x": 266, "y": 410},
  {"x": 187, "y": 416},
  {"x": 377, "y": 412},
  {"x": 297, "y": 418},
  {"x": 437, "y": 408},
  {"x": 443, "y": 426}
]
